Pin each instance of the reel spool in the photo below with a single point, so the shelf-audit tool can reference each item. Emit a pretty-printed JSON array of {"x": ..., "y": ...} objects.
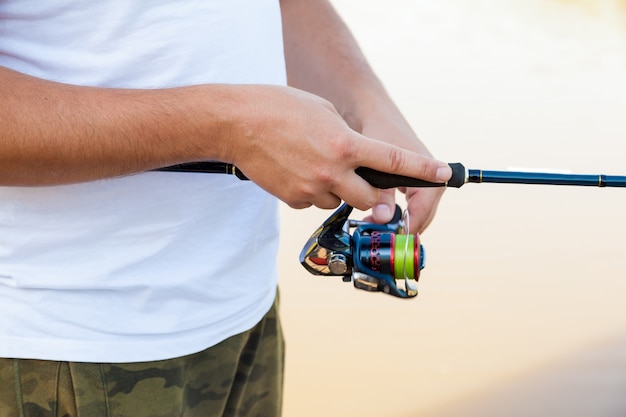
[{"x": 374, "y": 257}]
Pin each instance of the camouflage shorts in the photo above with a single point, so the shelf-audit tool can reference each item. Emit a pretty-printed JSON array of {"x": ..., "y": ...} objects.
[{"x": 242, "y": 376}]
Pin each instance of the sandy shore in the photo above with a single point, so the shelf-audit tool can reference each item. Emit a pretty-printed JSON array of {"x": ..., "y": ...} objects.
[{"x": 521, "y": 308}]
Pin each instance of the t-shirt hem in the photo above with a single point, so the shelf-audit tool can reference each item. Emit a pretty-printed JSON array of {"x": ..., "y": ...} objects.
[{"x": 135, "y": 349}]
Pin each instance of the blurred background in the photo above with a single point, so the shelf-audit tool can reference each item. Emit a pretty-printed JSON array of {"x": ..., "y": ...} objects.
[{"x": 521, "y": 308}]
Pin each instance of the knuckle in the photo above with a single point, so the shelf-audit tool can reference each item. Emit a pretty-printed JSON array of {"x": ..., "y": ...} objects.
[
  {"x": 397, "y": 160},
  {"x": 345, "y": 147},
  {"x": 362, "y": 206},
  {"x": 307, "y": 193},
  {"x": 297, "y": 197},
  {"x": 330, "y": 203},
  {"x": 373, "y": 199},
  {"x": 326, "y": 177},
  {"x": 365, "y": 200},
  {"x": 428, "y": 170}
]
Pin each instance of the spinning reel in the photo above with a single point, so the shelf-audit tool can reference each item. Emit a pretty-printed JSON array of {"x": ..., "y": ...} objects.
[{"x": 375, "y": 256}]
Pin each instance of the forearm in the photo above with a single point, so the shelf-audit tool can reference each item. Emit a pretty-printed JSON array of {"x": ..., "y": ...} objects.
[
  {"x": 55, "y": 133},
  {"x": 324, "y": 58}
]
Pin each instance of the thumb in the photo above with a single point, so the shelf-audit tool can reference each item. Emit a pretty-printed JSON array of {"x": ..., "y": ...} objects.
[{"x": 383, "y": 210}]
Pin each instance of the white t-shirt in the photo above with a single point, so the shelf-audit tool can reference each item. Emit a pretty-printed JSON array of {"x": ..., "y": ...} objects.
[{"x": 154, "y": 265}]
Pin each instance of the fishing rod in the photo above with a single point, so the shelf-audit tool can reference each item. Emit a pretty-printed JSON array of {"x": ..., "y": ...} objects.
[
  {"x": 460, "y": 176},
  {"x": 376, "y": 256}
]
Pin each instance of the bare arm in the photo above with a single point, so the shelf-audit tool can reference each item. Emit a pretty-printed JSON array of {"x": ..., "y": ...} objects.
[
  {"x": 324, "y": 58},
  {"x": 55, "y": 133},
  {"x": 292, "y": 143}
]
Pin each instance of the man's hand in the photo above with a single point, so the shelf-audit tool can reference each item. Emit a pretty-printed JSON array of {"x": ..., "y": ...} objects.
[
  {"x": 324, "y": 58},
  {"x": 296, "y": 146},
  {"x": 388, "y": 125}
]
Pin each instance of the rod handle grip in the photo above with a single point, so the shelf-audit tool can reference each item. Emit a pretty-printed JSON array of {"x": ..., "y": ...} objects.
[
  {"x": 384, "y": 180},
  {"x": 378, "y": 179}
]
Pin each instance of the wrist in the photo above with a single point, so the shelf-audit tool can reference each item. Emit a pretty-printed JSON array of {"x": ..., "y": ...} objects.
[{"x": 379, "y": 118}]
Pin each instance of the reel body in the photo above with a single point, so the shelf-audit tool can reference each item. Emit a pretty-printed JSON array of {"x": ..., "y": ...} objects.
[{"x": 374, "y": 257}]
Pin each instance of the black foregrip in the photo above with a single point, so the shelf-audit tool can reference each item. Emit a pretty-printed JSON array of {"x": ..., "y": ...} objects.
[
  {"x": 377, "y": 179},
  {"x": 385, "y": 180}
]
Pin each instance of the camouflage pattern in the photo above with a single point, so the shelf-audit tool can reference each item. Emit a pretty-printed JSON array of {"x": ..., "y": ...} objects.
[{"x": 240, "y": 377}]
